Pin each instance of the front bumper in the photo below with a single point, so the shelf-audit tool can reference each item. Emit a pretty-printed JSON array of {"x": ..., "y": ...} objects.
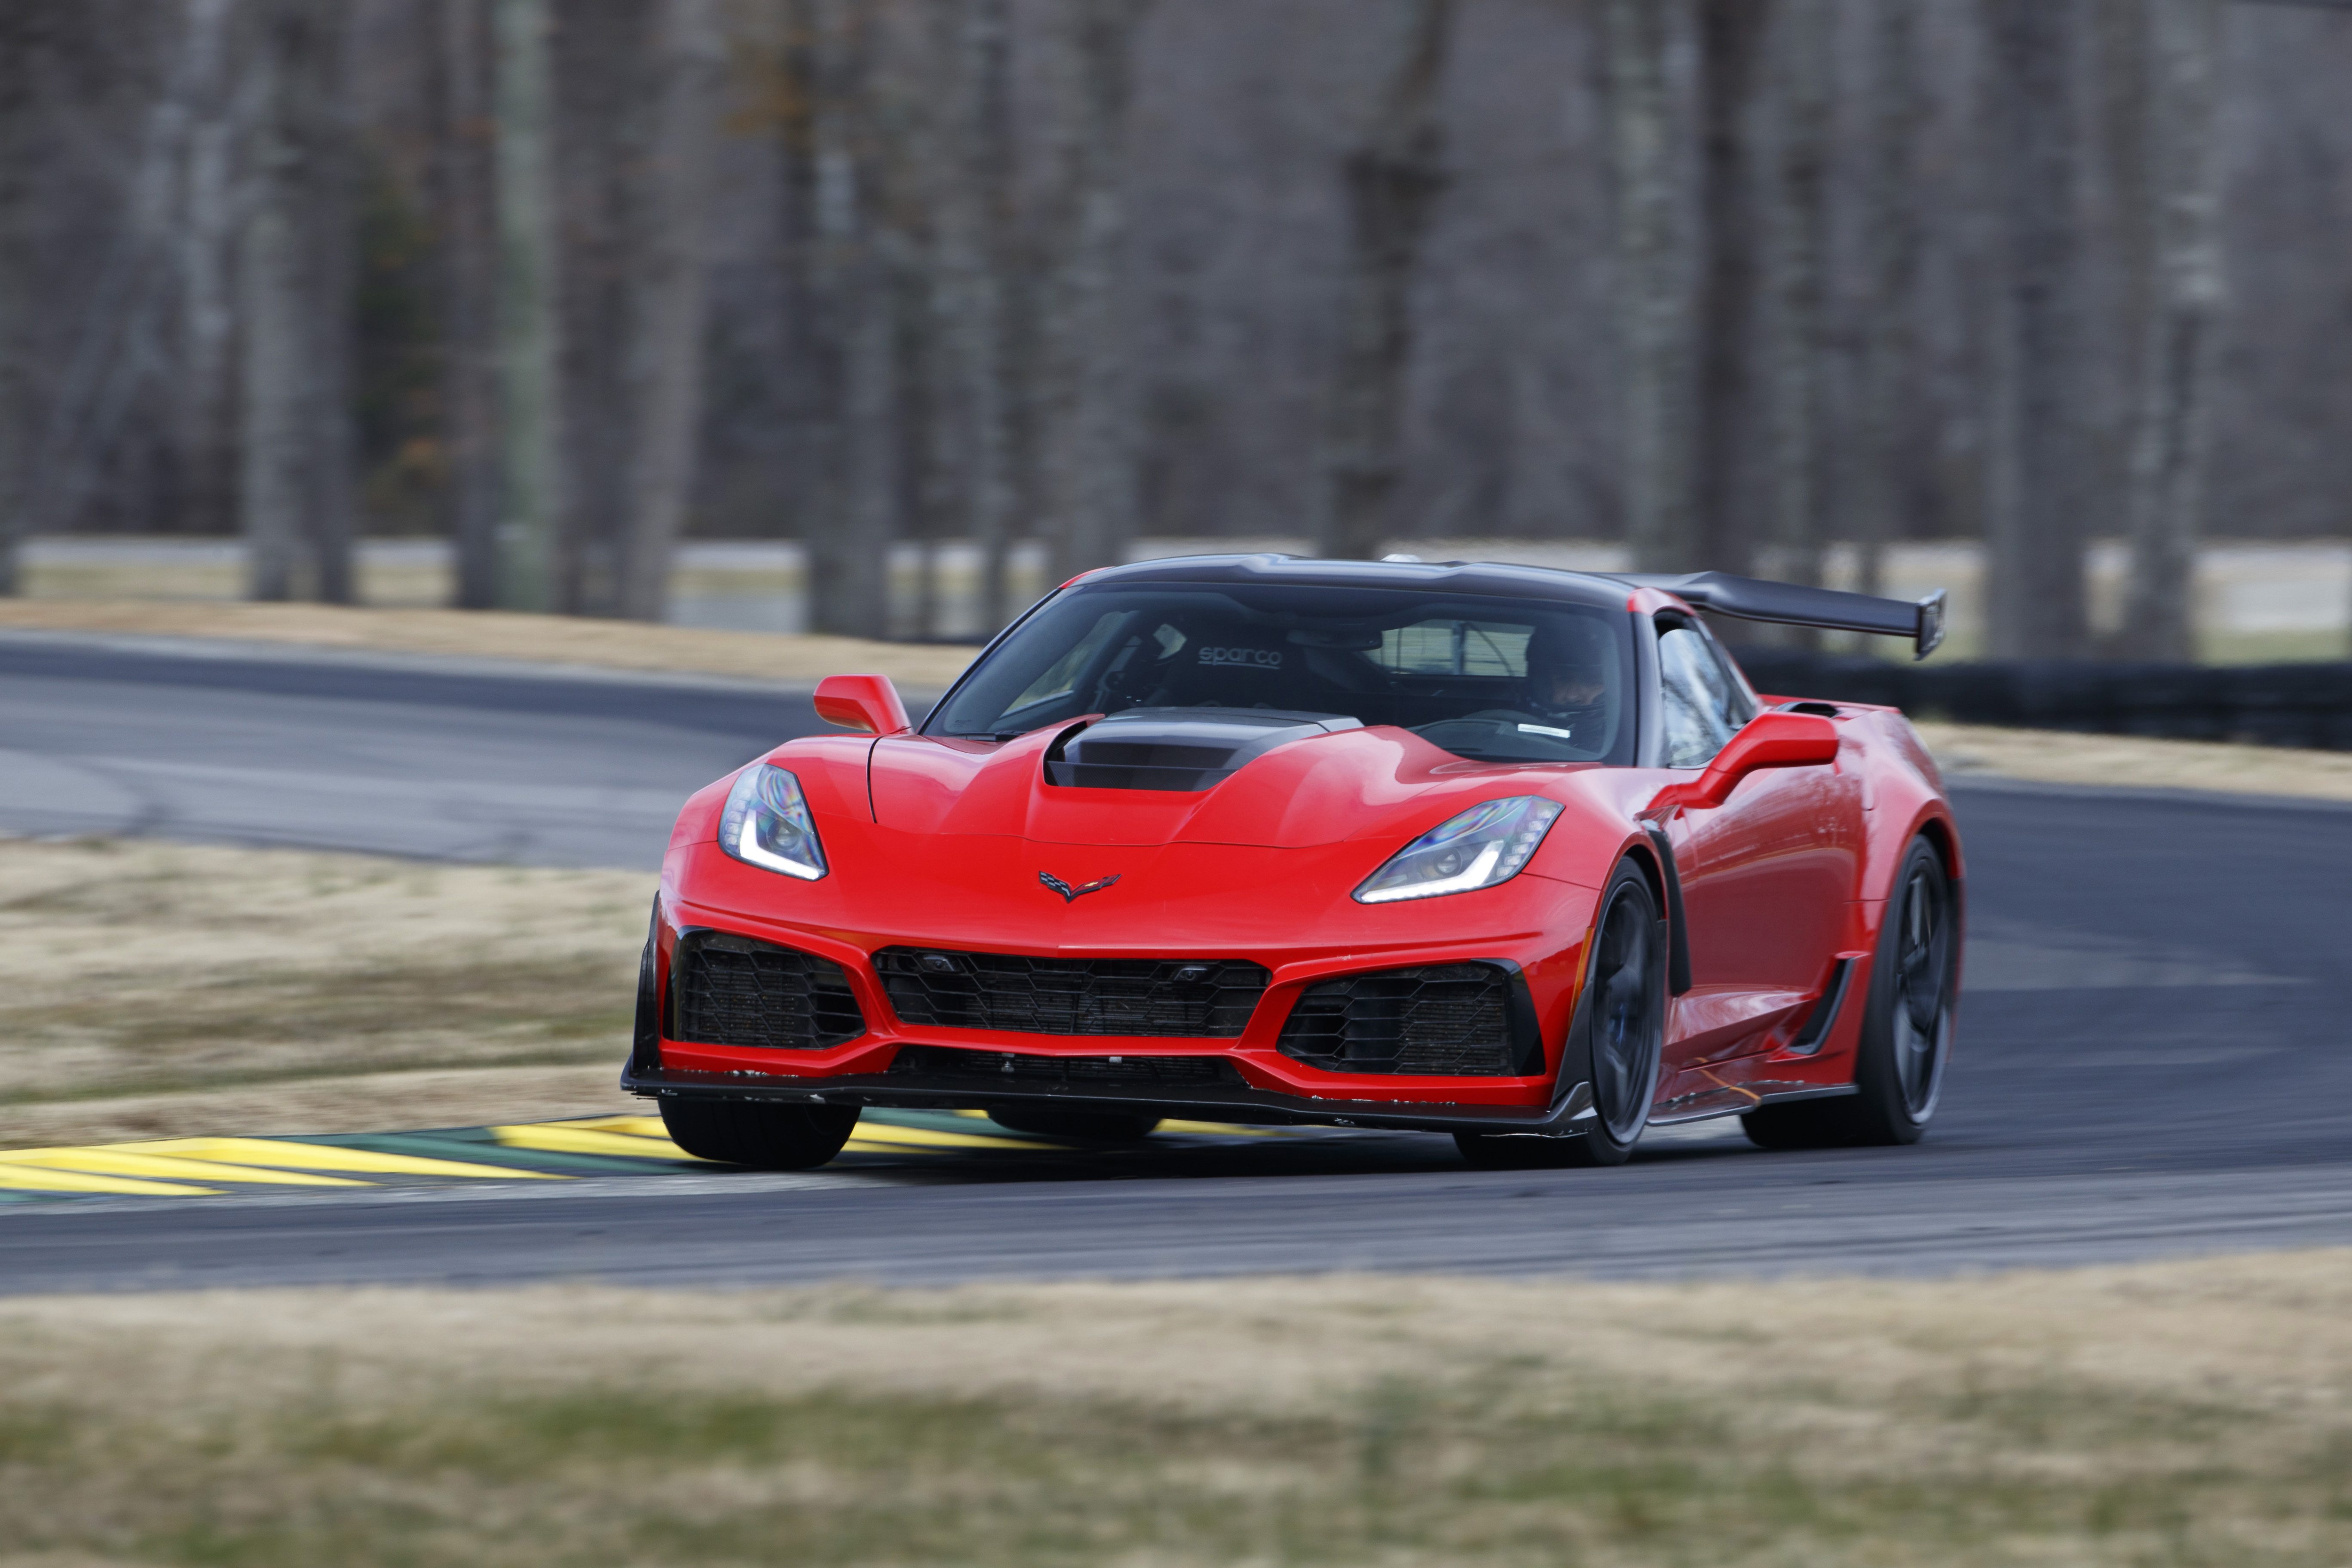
[{"x": 1260, "y": 1083}]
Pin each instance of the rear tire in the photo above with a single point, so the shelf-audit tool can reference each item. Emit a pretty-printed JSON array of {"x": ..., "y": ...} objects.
[
  {"x": 759, "y": 1136},
  {"x": 1087, "y": 1126},
  {"x": 1624, "y": 1014},
  {"x": 1907, "y": 1026}
]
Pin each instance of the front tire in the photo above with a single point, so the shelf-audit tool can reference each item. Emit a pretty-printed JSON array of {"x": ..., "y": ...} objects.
[
  {"x": 1907, "y": 1026},
  {"x": 1623, "y": 1009},
  {"x": 759, "y": 1136}
]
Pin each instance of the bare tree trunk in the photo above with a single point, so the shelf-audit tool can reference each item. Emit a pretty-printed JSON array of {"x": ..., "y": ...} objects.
[
  {"x": 1890, "y": 351},
  {"x": 276, "y": 393},
  {"x": 974, "y": 207},
  {"x": 469, "y": 279},
  {"x": 1798, "y": 230},
  {"x": 203, "y": 382},
  {"x": 2171, "y": 438},
  {"x": 2034, "y": 545},
  {"x": 119, "y": 349},
  {"x": 24, "y": 34},
  {"x": 2121, "y": 251},
  {"x": 530, "y": 414},
  {"x": 1394, "y": 178},
  {"x": 331, "y": 234},
  {"x": 603, "y": 134},
  {"x": 1653, "y": 288},
  {"x": 665, "y": 381},
  {"x": 294, "y": 484},
  {"x": 1731, "y": 38},
  {"x": 849, "y": 546},
  {"x": 1088, "y": 457}
]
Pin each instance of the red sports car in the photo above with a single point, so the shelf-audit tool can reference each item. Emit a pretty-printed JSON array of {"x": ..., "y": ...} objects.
[{"x": 1502, "y": 852}]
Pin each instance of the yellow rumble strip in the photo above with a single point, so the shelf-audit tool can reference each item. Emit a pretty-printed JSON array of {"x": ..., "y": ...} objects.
[
  {"x": 121, "y": 1161},
  {"x": 579, "y": 1138},
  {"x": 32, "y": 1179},
  {"x": 533, "y": 1151},
  {"x": 287, "y": 1154}
]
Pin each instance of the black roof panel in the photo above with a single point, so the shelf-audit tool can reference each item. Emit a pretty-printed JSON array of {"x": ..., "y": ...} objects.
[{"x": 1486, "y": 578}]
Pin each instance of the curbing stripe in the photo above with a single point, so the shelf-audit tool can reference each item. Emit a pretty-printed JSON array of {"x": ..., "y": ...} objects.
[
  {"x": 120, "y": 1161},
  {"x": 473, "y": 1144},
  {"x": 637, "y": 1145},
  {"x": 27, "y": 1178},
  {"x": 297, "y": 1154},
  {"x": 564, "y": 1138},
  {"x": 905, "y": 1139}
]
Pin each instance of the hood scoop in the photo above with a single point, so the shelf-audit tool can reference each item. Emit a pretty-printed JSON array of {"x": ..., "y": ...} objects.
[{"x": 1181, "y": 749}]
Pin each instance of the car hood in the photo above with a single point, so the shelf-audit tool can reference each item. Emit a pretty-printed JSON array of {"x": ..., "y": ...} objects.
[
  {"x": 1322, "y": 788},
  {"x": 949, "y": 841}
]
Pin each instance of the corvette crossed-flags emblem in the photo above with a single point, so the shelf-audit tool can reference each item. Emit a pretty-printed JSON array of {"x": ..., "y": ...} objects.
[{"x": 1069, "y": 894}]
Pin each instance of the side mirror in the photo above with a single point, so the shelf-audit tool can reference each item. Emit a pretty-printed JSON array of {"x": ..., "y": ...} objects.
[
  {"x": 868, "y": 702},
  {"x": 1769, "y": 740}
]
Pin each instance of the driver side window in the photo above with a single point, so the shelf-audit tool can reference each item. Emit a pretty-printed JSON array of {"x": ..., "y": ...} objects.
[{"x": 1702, "y": 705}]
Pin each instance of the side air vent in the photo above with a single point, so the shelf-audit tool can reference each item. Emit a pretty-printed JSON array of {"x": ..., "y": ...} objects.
[
  {"x": 1009, "y": 1068},
  {"x": 1174, "y": 996},
  {"x": 1186, "y": 749},
  {"x": 1452, "y": 1020},
  {"x": 732, "y": 991}
]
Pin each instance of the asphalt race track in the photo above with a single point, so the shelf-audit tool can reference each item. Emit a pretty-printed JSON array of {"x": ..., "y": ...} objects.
[
  {"x": 245, "y": 744},
  {"x": 2154, "y": 1057}
]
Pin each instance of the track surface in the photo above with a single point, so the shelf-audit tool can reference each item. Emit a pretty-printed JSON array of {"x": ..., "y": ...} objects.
[
  {"x": 2154, "y": 1057},
  {"x": 449, "y": 759}
]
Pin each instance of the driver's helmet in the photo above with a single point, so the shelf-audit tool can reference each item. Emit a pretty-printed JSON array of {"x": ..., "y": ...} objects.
[{"x": 1570, "y": 664}]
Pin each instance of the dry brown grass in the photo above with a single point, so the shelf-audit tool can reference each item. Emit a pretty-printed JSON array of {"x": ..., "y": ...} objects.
[
  {"x": 152, "y": 990},
  {"x": 2051, "y": 756},
  {"x": 2182, "y": 1413},
  {"x": 559, "y": 639}
]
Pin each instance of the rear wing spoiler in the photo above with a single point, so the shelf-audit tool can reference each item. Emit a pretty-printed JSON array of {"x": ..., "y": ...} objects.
[{"x": 1790, "y": 604}]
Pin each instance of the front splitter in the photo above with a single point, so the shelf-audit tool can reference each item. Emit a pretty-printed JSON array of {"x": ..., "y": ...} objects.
[{"x": 1570, "y": 1115}]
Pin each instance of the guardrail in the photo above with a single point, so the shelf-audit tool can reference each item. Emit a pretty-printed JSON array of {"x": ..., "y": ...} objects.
[{"x": 2306, "y": 705}]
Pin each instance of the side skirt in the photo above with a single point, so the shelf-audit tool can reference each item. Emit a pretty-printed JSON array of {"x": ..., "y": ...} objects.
[{"x": 1739, "y": 1101}]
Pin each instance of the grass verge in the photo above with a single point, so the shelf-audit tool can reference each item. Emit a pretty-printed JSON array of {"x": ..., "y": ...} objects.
[
  {"x": 2055, "y": 756},
  {"x": 157, "y": 990},
  {"x": 2186, "y": 1414}
]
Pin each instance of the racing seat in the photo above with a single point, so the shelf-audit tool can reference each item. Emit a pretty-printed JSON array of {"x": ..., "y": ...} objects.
[{"x": 1241, "y": 666}]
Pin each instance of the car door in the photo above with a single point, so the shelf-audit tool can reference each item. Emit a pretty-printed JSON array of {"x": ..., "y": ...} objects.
[{"x": 1766, "y": 877}]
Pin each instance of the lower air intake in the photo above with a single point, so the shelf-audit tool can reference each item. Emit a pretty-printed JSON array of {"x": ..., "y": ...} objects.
[
  {"x": 1209, "y": 998},
  {"x": 731, "y": 991},
  {"x": 1009, "y": 1068},
  {"x": 1452, "y": 1020}
]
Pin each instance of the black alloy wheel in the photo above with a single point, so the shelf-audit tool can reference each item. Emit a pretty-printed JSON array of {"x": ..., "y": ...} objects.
[
  {"x": 1906, "y": 1027},
  {"x": 760, "y": 1136},
  {"x": 1085, "y": 1126},
  {"x": 1623, "y": 1017}
]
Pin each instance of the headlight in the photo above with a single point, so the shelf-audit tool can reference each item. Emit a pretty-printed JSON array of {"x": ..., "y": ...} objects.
[
  {"x": 767, "y": 824},
  {"x": 1486, "y": 845}
]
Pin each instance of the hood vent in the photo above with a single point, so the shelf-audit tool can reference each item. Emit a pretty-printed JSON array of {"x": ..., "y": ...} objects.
[{"x": 1187, "y": 749}]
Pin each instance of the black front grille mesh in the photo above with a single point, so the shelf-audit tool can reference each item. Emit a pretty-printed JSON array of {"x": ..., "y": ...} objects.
[
  {"x": 1009, "y": 1068},
  {"x": 1445, "y": 1020},
  {"x": 731, "y": 991},
  {"x": 1198, "y": 998}
]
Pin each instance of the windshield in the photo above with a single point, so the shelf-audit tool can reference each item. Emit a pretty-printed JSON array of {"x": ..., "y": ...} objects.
[{"x": 1494, "y": 679}]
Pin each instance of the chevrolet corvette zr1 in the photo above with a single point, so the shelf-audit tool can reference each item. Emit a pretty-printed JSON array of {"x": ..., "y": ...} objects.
[{"x": 1508, "y": 853}]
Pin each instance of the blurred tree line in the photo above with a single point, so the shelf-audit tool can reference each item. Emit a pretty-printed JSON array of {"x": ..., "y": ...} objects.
[{"x": 1732, "y": 280}]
